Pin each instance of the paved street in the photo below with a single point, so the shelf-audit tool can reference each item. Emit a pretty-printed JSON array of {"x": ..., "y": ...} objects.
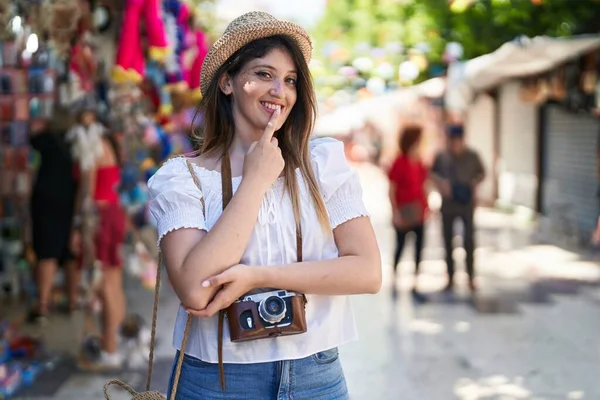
[{"x": 530, "y": 333}]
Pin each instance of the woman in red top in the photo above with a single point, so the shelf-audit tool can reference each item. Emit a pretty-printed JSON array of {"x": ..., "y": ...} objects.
[
  {"x": 109, "y": 237},
  {"x": 407, "y": 195},
  {"x": 104, "y": 177}
]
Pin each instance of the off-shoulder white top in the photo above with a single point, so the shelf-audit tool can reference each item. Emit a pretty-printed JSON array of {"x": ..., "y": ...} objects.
[{"x": 175, "y": 204}]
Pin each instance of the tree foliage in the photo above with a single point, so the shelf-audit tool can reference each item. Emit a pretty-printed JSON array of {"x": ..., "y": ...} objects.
[
  {"x": 481, "y": 26},
  {"x": 484, "y": 25}
]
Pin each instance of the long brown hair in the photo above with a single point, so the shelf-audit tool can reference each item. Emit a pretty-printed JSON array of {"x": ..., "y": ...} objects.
[{"x": 219, "y": 126}]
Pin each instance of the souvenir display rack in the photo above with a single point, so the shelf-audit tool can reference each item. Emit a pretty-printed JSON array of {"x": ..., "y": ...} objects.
[{"x": 27, "y": 93}]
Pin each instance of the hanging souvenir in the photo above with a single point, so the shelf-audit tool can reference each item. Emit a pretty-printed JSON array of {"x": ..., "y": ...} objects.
[
  {"x": 86, "y": 141},
  {"x": 5, "y": 137},
  {"x": 557, "y": 85},
  {"x": 37, "y": 17},
  {"x": 7, "y": 110},
  {"x": 102, "y": 18},
  {"x": 527, "y": 91},
  {"x": 19, "y": 134},
  {"x": 86, "y": 20},
  {"x": 575, "y": 99},
  {"x": 156, "y": 76},
  {"x": 542, "y": 90},
  {"x": 10, "y": 54},
  {"x": 83, "y": 63},
  {"x": 193, "y": 59},
  {"x": 7, "y": 183},
  {"x": 130, "y": 55},
  {"x": 6, "y": 86},
  {"x": 6, "y": 14},
  {"x": 36, "y": 82},
  {"x": 21, "y": 109},
  {"x": 589, "y": 74},
  {"x": 22, "y": 184},
  {"x": 177, "y": 16},
  {"x": 42, "y": 58},
  {"x": 47, "y": 108},
  {"x": 62, "y": 24},
  {"x": 35, "y": 108},
  {"x": 172, "y": 69}
]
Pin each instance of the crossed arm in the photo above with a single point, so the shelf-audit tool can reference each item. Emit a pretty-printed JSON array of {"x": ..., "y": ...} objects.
[{"x": 205, "y": 272}]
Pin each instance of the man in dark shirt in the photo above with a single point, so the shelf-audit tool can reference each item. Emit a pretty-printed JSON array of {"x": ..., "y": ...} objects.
[{"x": 457, "y": 172}]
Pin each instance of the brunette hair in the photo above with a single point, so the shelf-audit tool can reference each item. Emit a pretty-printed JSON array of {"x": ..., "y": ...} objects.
[
  {"x": 409, "y": 138},
  {"x": 217, "y": 134}
]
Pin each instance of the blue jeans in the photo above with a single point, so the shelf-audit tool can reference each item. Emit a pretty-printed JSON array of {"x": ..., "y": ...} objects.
[{"x": 319, "y": 376}]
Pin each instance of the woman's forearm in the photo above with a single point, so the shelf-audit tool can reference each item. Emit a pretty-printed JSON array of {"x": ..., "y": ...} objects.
[
  {"x": 221, "y": 247},
  {"x": 340, "y": 276}
]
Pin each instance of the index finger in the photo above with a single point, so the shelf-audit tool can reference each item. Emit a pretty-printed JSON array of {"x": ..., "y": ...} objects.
[{"x": 270, "y": 129}]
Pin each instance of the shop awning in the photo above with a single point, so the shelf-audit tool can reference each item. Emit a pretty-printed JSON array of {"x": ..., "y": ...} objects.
[
  {"x": 519, "y": 58},
  {"x": 382, "y": 111}
]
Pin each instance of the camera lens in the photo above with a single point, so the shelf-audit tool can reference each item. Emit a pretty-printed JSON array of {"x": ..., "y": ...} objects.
[
  {"x": 274, "y": 306},
  {"x": 272, "y": 309}
]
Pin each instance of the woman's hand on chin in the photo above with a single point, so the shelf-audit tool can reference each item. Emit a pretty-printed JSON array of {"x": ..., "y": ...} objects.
[{"x": 234, "y": 283}]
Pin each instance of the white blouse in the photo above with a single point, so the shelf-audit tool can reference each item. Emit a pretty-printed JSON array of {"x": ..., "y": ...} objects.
[{"x": 175, "y": 204}]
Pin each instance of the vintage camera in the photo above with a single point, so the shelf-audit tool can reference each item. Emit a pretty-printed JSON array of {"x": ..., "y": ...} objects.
[
  {"x": 274, "y": 308},
  {"x": 267, "y": 314}
]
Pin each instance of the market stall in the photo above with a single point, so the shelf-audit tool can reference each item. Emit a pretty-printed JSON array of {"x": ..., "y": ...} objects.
[{"x": 137, "y": 64}]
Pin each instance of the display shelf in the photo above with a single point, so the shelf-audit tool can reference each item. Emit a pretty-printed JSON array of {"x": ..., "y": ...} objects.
[{"x": 27, "y": 93}]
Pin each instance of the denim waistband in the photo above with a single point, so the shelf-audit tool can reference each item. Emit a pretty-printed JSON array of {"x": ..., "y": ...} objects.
[{"x": 319, "y": 376}]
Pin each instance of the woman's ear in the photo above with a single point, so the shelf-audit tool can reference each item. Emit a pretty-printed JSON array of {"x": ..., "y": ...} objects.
[{"x": 225, "y": 84}]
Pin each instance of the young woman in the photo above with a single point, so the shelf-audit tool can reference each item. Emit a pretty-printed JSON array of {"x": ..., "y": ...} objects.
[
  {"x": 100, "y": 168},
  {"x": 407, "y": 196},
  {"x": 259, "y": 110}
]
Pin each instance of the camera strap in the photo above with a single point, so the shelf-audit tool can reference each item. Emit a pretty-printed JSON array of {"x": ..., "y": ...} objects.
[
  {"x": 186, "y": 331},
  {"x": 227, "y": 189}
]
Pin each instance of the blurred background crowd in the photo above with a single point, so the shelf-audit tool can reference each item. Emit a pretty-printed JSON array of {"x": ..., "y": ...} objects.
[{"x": 474, "y": 126}]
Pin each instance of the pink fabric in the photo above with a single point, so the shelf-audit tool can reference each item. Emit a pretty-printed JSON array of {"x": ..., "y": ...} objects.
[
  {"x": 194, "y": 73},
  {"x": 184, "y": 15},
  {"x": 183, "y": 25},
  {"x": 130, "y": 55},
  {"x": 154, "y": 25}
]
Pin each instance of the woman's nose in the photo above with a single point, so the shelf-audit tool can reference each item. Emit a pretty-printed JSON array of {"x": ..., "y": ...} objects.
[{"x": 277, "y": 88}]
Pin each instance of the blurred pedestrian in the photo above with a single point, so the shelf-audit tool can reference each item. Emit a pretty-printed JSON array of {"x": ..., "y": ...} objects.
[
  {"x": 457, "y": 172},
  {"x": 408, "y": 176},
  {"x": 52, "y": 211},
  {"x": 100, "y": 170}
]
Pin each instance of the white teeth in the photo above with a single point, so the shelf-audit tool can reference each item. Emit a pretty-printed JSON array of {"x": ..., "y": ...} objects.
[{"x": 271, "y": 106}]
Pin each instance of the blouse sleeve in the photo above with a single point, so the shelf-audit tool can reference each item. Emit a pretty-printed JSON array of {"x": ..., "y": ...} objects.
[
  {"x": 175, "y": 200},
  {"x": 339, "y": 183}
]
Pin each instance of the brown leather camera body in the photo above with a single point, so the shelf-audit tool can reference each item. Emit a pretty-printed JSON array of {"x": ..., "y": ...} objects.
[{"x": 235, "y": 314}]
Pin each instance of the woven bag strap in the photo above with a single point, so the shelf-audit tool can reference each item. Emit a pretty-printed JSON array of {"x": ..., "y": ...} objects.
[{"x": 188, "y": 322}]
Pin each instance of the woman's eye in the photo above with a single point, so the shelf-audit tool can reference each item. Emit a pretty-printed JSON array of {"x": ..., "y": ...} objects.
[
  {"x": 263, "y": 74},
  {"x": 291, "y": 81}
]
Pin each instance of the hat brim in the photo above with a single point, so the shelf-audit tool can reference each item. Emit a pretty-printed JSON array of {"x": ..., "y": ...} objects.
[{"x": 235, "y": 39}]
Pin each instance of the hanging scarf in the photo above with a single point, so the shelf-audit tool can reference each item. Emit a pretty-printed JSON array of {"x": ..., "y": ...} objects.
[{"x": 86, "y": 144}]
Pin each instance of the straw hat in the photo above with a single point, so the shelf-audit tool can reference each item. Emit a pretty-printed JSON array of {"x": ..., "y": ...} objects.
[{"x": 245, "y": 29}]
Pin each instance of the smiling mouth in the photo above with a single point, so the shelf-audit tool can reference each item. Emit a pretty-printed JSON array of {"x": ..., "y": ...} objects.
[{"x": 270, "y": 107}]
